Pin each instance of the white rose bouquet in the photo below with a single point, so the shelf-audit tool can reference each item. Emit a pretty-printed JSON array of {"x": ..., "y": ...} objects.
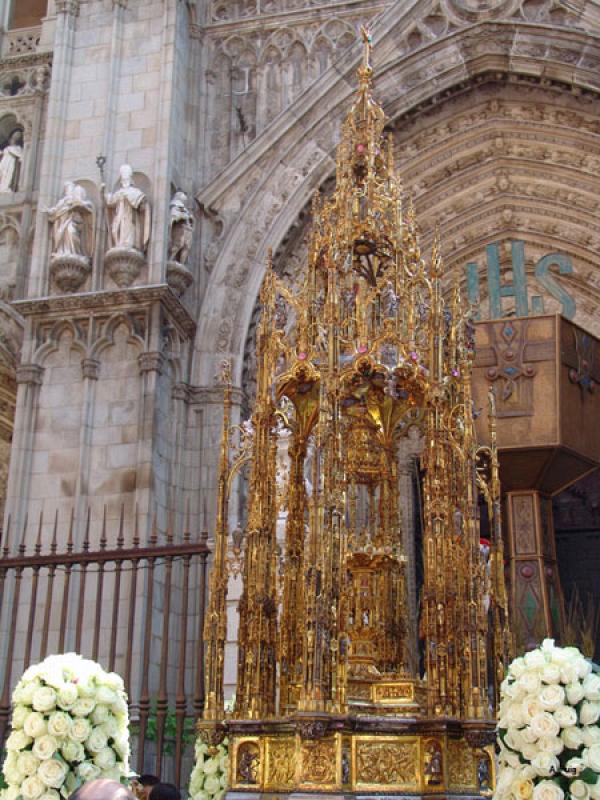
[
  {"x": 209, "y": 777},
  {"x": 69, "y": 725},
  {"x": 548, "y": 730}
]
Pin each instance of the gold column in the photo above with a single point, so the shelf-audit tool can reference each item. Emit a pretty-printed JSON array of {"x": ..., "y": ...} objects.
[{"x": 536, "y": 596}]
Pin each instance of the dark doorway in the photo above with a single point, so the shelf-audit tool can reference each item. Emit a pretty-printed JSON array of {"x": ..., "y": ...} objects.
[{"x": 577, "y": 528}]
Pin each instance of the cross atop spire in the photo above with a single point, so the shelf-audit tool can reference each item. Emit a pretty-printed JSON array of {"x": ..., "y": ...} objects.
[{"x": 365, "y": 71}]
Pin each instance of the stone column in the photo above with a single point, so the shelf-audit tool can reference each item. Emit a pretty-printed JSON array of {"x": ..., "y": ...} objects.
[
  {"x": 51, "y": 169},
  {"x": 29, "y": 379},
  {"x": 535, "y": 593}
]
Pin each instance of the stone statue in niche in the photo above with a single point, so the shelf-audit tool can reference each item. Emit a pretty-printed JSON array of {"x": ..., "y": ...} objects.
[
  {"x": 181, "y": 233},
  {"x": 72, "y": 226},
  {"x": 11, "y": 162},
  {"x": 129, "y": 219}
]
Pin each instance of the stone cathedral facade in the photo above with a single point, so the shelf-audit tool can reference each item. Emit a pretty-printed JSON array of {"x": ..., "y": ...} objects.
[{"x": 152, "y": 151}]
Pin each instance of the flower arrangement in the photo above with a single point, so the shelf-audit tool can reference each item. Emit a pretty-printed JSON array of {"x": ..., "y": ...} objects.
[
  {"x": 209, "y": 777},
  {"x": 548, "y": 730},
  {"x": 69, "y": 725}
]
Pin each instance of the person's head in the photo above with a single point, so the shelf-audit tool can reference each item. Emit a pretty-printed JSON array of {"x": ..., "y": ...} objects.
[
  {"x": 147, "y": 782},
  {"x": 165, "y": 791},
  {"x": 126, "y": 175},
  {"x": 16, "y": 137},
  {"x": 102, "y": 789}
]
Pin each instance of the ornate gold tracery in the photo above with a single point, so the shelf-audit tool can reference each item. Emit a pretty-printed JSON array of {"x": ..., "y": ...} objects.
[{"x": 374, "y": 347}]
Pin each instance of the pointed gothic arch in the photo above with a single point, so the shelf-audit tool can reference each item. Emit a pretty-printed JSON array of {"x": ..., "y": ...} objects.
[{"x": 274, "y": 178}]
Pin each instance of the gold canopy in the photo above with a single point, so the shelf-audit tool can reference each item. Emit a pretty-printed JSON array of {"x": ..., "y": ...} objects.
[{"x": 368, "y": 347}]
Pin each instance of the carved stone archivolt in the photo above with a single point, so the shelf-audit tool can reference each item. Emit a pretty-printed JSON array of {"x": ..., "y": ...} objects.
[{"x": 503, "y": 162}]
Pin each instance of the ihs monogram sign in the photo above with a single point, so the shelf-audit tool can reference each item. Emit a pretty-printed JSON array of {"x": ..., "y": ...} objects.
[{"x": 545, "y": 276}]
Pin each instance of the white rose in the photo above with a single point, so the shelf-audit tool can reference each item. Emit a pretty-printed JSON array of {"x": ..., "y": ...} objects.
[
  {"x": 224, "y": 763},
  {"x": 545, "y": 764},
  {"x": 35, "y": 725},
  {"x": 515, "y": 689},
  {"x": 121, "y": 746},
  {"x": 527, "y": 735},
  {"x": 548, "y": 790},
  {"x": 535, "y": 659},
  {"x": 530, "y": 707},
  {"x": 96, "y": 741},
  {"x": 512, "y": 716},
  {"x": 50, "y": 794},
  {"x": 517, "y": 667},
  {"x": 568, "y": 673},
  {"x": 24, "y": 692},
  {"x": 575, "y": 693},
  {"x": 578, "y": 789},
  {"x": 551, "y": 744},
  {"x": 83, "y": 707},
  {"x": 529, "y": 750},
  {"x": 10, "y": 793},
  {"x": 45, "y": 747},
  {"x": 591, "y": 757},
  {"x": 59, "y": 724},
  {"x": 111, "y": 728},
  {"x": 19, "y": 715},
  {"x": 595, "y": 790},
  {"x": 522, "y": 787},
  {"x": 80, "y": 730},
  {"x": 114, "y": 681},
  {"x": 100, "y": 714},
  {"x": 87, "y": 771},
  {"x": 513, "y": 740},
  {"x": 52, "y": 773},
  {"x": 591, "y": 687},
  {"x": 72, "y": 752},
  {"x": 86, "y": 689},
  {"x": 105, "y": 759},
  {"x": 27, "y": 763},
  {"x": 119, "y": 706},
  {"x": 551, "y": 697},
  {"x": 551, "y": 673},
  {"x": 506, "y": 777},
  {"x": 201, "y": 795},
  {"x": 566, "y": 716},
  {"x": 106, "y": 696},
  {"x": 18, "y": 740},
  {"x": 572, "y": 737},
  {"x": 44, "y": 699},
  {"x": 32, "y": 787},
  {"x": 584, "y": 667},
  {"x": 211, "y": 765},
  {"x": 211, "y": 784},
  {"x": 544, "y": 724},
  {"x": 66, "y": 696},
  {"x": 589, "y": 713},
  {"x": 590, "y": 735},
  {"x": 530, "y": 682}
]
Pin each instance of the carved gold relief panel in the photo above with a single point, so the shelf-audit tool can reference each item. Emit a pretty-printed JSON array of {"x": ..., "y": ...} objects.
[
  {"x": 384, "y": 761},
  {"x": 319, "y": 760},
  {"x": 280, "y": 763},
  {"x": 462, "y": 766}
]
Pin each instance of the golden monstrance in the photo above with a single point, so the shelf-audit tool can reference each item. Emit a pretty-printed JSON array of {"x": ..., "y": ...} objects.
[{"x": 331, "y": 696}]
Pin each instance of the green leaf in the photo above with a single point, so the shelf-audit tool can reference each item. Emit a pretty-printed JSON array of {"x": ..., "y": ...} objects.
[{"x": 588, "y": 776}]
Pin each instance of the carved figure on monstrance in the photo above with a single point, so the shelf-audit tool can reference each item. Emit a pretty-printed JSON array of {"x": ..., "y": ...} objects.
[
  {"x": 129, "y": 218},
  {"x": 72, "y": 236}
]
